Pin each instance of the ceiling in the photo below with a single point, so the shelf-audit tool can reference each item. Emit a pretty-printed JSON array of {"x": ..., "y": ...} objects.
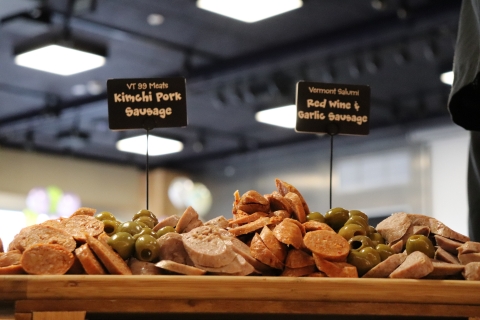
[{"x": 232, "y": 70}]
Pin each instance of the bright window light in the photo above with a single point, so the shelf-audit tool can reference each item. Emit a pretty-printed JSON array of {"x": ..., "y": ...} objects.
[
  {"x": 447, "y": 77},
  {"x": 282, "y": 116},
  {"x": 59, "y": 60},
  {"x": 249, "y": 10},
  {"x": 156, "y": 146}
]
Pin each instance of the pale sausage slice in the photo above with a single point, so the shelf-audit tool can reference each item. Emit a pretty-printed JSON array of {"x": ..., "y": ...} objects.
[
  {"x": 88, "y": 260},
  {"x": 109, "y": 258},
  {"x": 467, "y": 247},
  {"x": 168, "y": 221},
  {"x": 51, "y": 259},
  {"x": 394, "y": 227},
  {"x": 239, "y": 266},
  {"x": 206, "y": 247},
  {"x": 172, "y": 248},
  {"x": 386, "y": 267},
  {"x": 472, "y": 271},
  {"x": 188, "y": 218},
  {"x": 180, "y": 268},
  {"x": 417, "y": 265},
  {"x": 142, "y": 268}
]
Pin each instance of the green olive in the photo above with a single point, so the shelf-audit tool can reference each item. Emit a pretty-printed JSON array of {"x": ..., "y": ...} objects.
[
  {"x": 105, "y": 215},
  {"x": 371, "y": 230},
  {"x": 357, "y": 243},
  {"x": 145, "y": 213},
  {"x": 145, "y": 231},
  {"x": 348, "y": 231},
  {"x": 336, "y": 218},
  {"x": 147, "y": 248},
  {"x": 384, "y": 250},
  {"x": 164, "y": 230},
  {"x": 131, "y": 227},
  {"x": 358, "y": 220},
  {"x": 110, "y": 226},
  {"x": 146, "y": 220},
  {"x": 376, "y": 238},
  {"x": 123, "y": 243},
  {"x": 352, "y": 213},
  {"x": 316, "y": 216},
  {"x": 364, "y": 259},
  {"x": 421, "y": 243}
]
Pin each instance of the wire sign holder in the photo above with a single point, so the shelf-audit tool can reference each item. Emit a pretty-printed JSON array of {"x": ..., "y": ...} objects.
[
  {"x": 146, "y": 103},
  {"x": 332, "y": 109}
]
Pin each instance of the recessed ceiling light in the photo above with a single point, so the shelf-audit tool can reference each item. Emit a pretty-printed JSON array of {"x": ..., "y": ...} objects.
[
  {"x": 59, "y": 60},
  {"x": 155, "y": 19},
  {"x": 156, "y": 145},
  {"x": 249, "y": 10},
  {"x": 281, "y": 116},
  {"x": 447, "y": 77}
]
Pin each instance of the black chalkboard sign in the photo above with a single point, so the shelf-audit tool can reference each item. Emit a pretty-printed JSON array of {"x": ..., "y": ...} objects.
[
  {"x": 333, "y": 108},
  {"x": 146, "y": 103}
]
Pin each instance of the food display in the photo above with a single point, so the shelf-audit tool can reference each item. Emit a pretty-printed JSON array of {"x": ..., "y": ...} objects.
[{"x": 273, "y": 234}]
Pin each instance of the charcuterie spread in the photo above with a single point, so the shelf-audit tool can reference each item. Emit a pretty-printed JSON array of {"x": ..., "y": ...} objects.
[{"x": 273, "y": 234}]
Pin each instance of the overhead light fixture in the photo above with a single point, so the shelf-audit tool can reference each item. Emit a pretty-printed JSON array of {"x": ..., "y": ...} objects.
[
  {"x": 156, "y": 145},
  {"x": 54, "y": 53},
  {"x": 281, "y": 116},
  {"x": 447, "y": 77},
  {"x": 249, "y": 10}
]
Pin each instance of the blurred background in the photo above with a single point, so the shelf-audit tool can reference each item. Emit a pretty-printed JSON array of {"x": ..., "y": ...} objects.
[{"x": 57, "y": 152}]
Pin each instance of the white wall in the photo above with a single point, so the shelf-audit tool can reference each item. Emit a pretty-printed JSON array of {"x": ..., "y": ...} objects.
[{"x": 448, "y": 148}]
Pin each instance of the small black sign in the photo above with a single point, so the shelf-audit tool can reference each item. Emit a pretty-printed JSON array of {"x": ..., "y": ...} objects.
[
  {"x": 333, "y": 108},
  {"x": 146, "y": 103}
]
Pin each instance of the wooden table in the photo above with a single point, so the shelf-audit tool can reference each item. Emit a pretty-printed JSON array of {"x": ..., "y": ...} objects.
[{"x": 71, "y": 297}]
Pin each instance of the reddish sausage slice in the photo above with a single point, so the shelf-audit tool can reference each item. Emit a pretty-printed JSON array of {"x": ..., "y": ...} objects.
[{"x": 51, "y": 259}]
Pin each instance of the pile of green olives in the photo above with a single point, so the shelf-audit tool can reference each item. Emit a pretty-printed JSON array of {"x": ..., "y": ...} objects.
[
  {"x": 134, "y": 238},
  {"x": 367, "y": 246},
  {"x": 366, "y": 253}
]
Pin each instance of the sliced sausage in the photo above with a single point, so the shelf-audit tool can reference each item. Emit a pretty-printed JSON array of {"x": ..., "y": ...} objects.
[
  {"x": 289, "y": 233},
  {"x": 88, "y": 260},
  {"x": 284, "y": 188},
  {"x": 206, "y": 247},
  {"x": 188, "y": 216},
  {"x": 443, "y": 255},
  {"x": 84, "y": 211},
  {"x": 13, "y": 269},
  {"x": 243, "y": 249},
  {"x": 394, "y": 227},
  {"x": 246, "y": 219},
  {"x": 239, "y": 266},
  {"x": 42, "y": 234},
  {"x": 417, "y": 265},
  {"x": 172, "y": 248},
  {"x": 259, "y": 251},
  {"x": 278, "y": 248},
  {"x": 250, "y": 227},
  {"x": 386, "y": 267},
  {"x": 109, "y": 258},
  {"x": 168, "y": 221},
  {"x": 79, "y": 225},
  {"x": 472, "y": 271},
  {"x": 466, "y": 258},
  {"x": 467, "y": 247},
  {"x": 327, "y": 245},
  {"x": 335, "y": 269},
  {"x": 10, "y": 258},
  {"x": 219, "y": 221},
  {"x": 278, "y": 202},
  {"x": 297, "y": 207},
  {"x": 252, "y": 201},
  {"x": 443, "y": 269},
  {"x": 180, "y": 268},
  {"x": 298, "y": 259},
  {"x": 53, "y": 259},
  {"x": 298, "y": 272},
  {"x": 142, "y": 268},
  {"x": 313, "y": 225}
]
